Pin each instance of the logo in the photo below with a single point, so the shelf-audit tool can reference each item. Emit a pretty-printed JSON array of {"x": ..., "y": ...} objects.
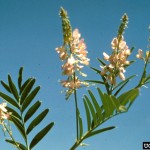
[{"x": 146, "y": 145}]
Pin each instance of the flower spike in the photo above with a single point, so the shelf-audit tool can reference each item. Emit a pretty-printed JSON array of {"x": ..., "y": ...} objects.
[
  {"x": 66, "y": 26},
  {"x": 122, "y": 27}
]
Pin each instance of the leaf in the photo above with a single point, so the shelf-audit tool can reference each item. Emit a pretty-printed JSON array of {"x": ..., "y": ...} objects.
[
  {"x": 117, "y": 92},
  {"x": 123, "y": 82},
  {"x": 20, "y": 77},
  {"x": 106, "y": 104},
  {"x": 95, "y": 81},
  {"x": 96, "y": 105},
  {"x": 92, "y": 111},
  {"x": 32, "y": 110},
  {"x": 21, "y": 146},
  {"x": 30, "y": 97},
  {"x": 14, "y": 113},
  {"x": 104, "y": 64},
  {"x": 128, "y": 97},
  {"x": 80, "y": 124},
  {"x": 26, "y": 90},
  {"x": 24, "y": 85},
  {"x": 41, "y": 134},
  {"x": 19, "y": 126},
  {"x": 37, "y": 120},
  {"x": 100, "y": 131},
  {"x": 88, "y": 117},
  {"x": 13, "y": 88},
  {"x": 6, "y": 86},
  {"x": 109, "y": 107},
  {"x": 9, "y": 100},
  {"x": 115, "y": 102},
  {"x": 96, "y": 70},
  {"x": 122, "y": 108}
]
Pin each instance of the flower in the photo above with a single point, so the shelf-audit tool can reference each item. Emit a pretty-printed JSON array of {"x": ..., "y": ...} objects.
[
  {"x": 117, "y": 60},
  {"x": 106, "y": 57},
  {"x": 62, "y": 53},
  {"x": 3, "y": 112},
  {"x": 74, "y": 55},
  {"x": 140, "y": 54}
]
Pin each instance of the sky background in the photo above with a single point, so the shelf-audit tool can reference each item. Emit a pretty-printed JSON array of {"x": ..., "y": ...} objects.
[{"x": 30, "y": 30}]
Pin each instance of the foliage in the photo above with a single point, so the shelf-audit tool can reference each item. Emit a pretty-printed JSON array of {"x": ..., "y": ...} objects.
[
  {"x": 23, "y": 107},
  {"x": 99, "y": 107}
]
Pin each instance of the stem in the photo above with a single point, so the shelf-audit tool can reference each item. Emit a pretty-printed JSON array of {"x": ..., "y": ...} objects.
[
  {"x": 76, "y": 107},
  {"x": 10, "y": 134},
  {"x": 26, "y": 138},
  {"x": 143, "y": 74}
]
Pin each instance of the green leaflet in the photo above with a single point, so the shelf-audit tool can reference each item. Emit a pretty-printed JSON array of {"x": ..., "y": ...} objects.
[
  {"x": 14, "y": 113},
  {"x": 115, "y": 102},
  {"x": 88, "y": 116},
  {"x": 21, "y": 146},
  {"x": 96, "y": 70},
  {"x": 40, "y": 135},
  {"x": 122, "y": 85},
  {"x": 26, "y": 90},
  {"x": 101, "y": 61},
  {"x": 92, "y": 111},
  {"x": 96, "y": 106},
  {"x": 9, "y": 100},
  {"x": 32, "y": 110},
  {"x": 80, "y": 125},
  {"x": 128, "y": 97},
  {"x": 6, "y": 86},
  {"x": 105, "y": 106},
  {"x": 25, "y": 84},
  {"x": 19, "y": 126},
  {"x": 30, "y": 98},
  {"x": 13, "y": 88},
  {"x": 95, "y": 81},
  {"x": 20, "y": 77},
  {"x": 37, "y": 120},
  {"x": 100, "y": 131}
]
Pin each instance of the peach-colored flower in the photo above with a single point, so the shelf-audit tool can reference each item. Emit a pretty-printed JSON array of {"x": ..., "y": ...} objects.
[
  {"x": 75, "y": 56},
  {"x": 106, "y": 56},
  {"x": 114, "y": 43},
  {"x": 85, "y": 61},
  {"x": 62, "y": 53},
  {"x": 3, "y": 112},
  {"x": 140, "y": 54},
  {"x": 76, "y": 36},
  {"x": 122, "y": 45},
  {"x": 118, "y": 60},
  {"x": 122, "y": 76}
]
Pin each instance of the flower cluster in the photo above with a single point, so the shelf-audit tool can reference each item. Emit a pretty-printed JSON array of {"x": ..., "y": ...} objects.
[
  {"x": 3, "y": 112},
  {"x": 118, "y": 61},
  {"x": 140, "y": 55},
  {"x": 74, "y": 56}
]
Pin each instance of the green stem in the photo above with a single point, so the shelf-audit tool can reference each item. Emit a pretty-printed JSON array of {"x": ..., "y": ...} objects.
[
  {"x": 10, "y": 134},
  {"x": 76, "y": 107},
  {"x": 143, "y": 74},
  {"x": 26, "y": 138}
]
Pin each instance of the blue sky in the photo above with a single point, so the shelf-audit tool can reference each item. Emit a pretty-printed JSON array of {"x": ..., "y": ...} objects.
[{"x": 30, "y": 30}]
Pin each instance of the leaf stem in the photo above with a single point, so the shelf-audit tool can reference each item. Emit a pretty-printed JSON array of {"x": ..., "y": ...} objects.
[
  {"x": 143, "y": 75},
  {"x": 87, "y": 134},
  {"x": 26, "y": 138},
  {"x": 10, "y": 134}
]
